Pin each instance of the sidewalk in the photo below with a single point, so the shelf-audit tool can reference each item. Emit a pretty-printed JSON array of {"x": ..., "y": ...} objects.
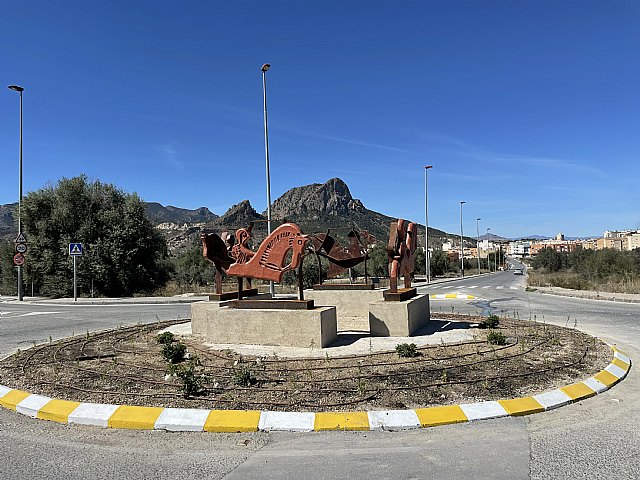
[{"x": 612, "y": 297}]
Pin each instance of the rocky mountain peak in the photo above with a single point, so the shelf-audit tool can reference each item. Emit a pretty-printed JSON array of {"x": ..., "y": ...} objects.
[
  {"x": 240, "y": 215},
  {"x": 330, "y": 198}
]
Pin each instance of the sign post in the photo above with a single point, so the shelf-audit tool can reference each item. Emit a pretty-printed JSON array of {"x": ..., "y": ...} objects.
[{"x": 75, "y": 250}]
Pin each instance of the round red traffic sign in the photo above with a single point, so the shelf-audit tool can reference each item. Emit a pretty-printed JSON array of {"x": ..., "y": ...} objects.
[
  {"x": 21, "y": 247},
  {"x": 18, "y": 259}
]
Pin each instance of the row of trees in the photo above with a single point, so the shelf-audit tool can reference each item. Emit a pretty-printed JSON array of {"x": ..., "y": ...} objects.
[{"x": 591, "y": 264}]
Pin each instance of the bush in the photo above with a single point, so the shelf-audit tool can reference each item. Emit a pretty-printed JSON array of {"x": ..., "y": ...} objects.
[
  {"x": 491, "y": 321},
  {"x": 496, "y": 338},
  {"x": 191, "y": 377},
  {"x": 165, "y": 338},
  {"x": 174, "y": 352},
  {"x": 407, "y": 350},
  {"x": 244, "y": 377}
]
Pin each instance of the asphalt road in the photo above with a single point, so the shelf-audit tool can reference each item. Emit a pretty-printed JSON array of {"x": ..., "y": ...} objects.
[
  {"x": 29, "y": 322},
  {"x": 595, "y": 438}
]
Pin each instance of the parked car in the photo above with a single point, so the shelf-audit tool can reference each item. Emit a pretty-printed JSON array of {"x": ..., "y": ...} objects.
[{"x": 518, "y": 271}]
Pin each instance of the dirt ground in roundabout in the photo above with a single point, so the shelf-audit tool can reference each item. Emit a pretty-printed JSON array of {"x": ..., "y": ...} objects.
[{"x": 130, "y": 366}]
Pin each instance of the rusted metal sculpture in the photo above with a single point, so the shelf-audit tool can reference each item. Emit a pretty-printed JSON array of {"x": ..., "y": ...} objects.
[
  {"x": 269, "y": 262},
  {"x": 403, "y": 242},
  {"x": 340, "y": 258},
  {"x": 222, "y": 252}
]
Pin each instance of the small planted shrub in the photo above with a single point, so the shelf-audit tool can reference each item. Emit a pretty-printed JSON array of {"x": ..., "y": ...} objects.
[
  {"x": 244, "y": 377},
  {"x": 491, "y": 321},
  {"x": 407, "y": 350},
  {"x": 165, "y": 338},
  {"x": 190, "y": 376},
  {"x": 496, "y": 338},
  {"x": 174, "y": 352}
]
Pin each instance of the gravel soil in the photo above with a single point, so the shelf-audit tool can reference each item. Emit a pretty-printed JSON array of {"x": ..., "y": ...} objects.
[{"x": 127, "y": 366}]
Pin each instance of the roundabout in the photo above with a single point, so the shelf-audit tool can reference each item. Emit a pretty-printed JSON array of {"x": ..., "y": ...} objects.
[{"x": 120, "y": 379}]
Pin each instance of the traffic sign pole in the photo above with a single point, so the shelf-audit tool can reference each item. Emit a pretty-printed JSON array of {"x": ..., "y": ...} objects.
[{"x": 75, "y": 284}]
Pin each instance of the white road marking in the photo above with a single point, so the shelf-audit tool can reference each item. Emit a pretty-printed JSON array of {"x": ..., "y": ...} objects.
[
  {"x": 31, "y": 314},
  {"x": 500, "y": 287},
  {"x": 475, "y": 286},
  {"x": 487, "y": 286}
]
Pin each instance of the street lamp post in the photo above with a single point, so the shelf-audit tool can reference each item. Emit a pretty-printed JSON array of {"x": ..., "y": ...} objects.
[
  {"x": 478, "y": 242},
  {"x": 488, "y": 262},
  {"x": 426, "y": 225},
  {"x": 19, "y": 89},
  {"x": 461, "y": 241},
  {"x": 265, "y": 67}
]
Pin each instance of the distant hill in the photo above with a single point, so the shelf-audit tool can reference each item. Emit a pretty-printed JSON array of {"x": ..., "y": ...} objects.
[
  {"x": 158, "y": 213},
  {"x": 8, "y": 225}
]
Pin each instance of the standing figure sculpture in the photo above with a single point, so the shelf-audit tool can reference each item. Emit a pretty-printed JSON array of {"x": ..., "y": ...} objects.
[{"x": 403, "y": 242}]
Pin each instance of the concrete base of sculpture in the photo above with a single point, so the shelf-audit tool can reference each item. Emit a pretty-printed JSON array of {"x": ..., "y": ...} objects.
[
  {"x": 219, "y": 323},
  {"x": 398, "y": 319},
  {"x": 348, "y": 303}
]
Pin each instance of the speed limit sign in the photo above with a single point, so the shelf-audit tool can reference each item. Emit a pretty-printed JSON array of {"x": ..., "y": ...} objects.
[{"x": 21, "y": 247}]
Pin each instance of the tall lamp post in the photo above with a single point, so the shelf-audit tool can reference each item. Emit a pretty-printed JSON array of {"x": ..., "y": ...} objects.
[
  {"x": 461, "y": 241},
  {"x": 19, "y": 89},
  {"x": 478, "y": 242},
  {"x": 265, "y": 67},
  {"x": 426, "y": 224},
  {"x": 488, "y": 262}
]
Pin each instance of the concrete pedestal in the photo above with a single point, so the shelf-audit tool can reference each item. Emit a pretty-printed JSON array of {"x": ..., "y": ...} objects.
[
  {"x": 348, "y": 303},
  {"x": 398, "y": 319},
  {"x": 288, "y": 328}
]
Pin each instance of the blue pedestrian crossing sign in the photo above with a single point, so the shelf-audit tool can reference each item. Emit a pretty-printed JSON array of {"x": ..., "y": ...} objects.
[{"x": 75, "y": 249}]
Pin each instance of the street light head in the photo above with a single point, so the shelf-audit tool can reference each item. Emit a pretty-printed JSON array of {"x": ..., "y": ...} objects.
[
  {"x": 428, "y": 166},
  {"x": 461, "y": 203},
  {"x": 478, "y": 219},
  {"x": 15, "y": 88},
  {"x": 266, "y": 67}
]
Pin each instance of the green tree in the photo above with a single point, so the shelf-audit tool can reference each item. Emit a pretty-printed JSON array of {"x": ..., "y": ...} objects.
[
  {"x": 439, "y": 263},
  {"x": 8, "y": 272},
  {"x": 191, "y": 268},
  {"x": 123, "y": 252}
]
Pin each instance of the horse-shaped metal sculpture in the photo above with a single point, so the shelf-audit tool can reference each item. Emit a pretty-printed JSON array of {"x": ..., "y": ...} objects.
[{"x": 268, "y": 263}]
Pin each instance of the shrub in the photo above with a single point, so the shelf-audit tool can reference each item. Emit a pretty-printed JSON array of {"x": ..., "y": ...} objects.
[
  {"x": 407, "y": 350},
  {"x": 174, "y": 352},
  {"x": 244, "y": 377},
  {"x": 496, "y": 338},
  {"x": 491, "y": 321},
  {"x": 165, "y": 338},
  {"x": 191, "y": 377}
]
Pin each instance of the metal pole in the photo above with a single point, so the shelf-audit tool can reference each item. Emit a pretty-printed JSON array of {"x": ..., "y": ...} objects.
[
  {"x": 265, "y": 67},
  {"x": 461, "y": 241},
  {"x": 488, "y": 261},
  {"x": 478, "y": 242},
  {"x": 426, "y": 225},
  {"x": 75, "y": 289},
  {"x": 19, "y": 89}
]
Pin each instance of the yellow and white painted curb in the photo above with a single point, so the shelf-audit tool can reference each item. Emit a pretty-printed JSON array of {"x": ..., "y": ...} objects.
[
  {"x": 184, "y": 419},
  {"x": 453, "y": 296}
]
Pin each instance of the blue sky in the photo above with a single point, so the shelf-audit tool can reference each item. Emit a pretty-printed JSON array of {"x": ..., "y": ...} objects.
[{"x": 529, "y": 111}]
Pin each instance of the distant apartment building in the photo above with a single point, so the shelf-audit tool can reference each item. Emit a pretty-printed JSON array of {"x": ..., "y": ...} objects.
[
  {"x": 519, "y": 248},
  {"x": 614, "y": 243},
  {"x": 559, "y": 245}
]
